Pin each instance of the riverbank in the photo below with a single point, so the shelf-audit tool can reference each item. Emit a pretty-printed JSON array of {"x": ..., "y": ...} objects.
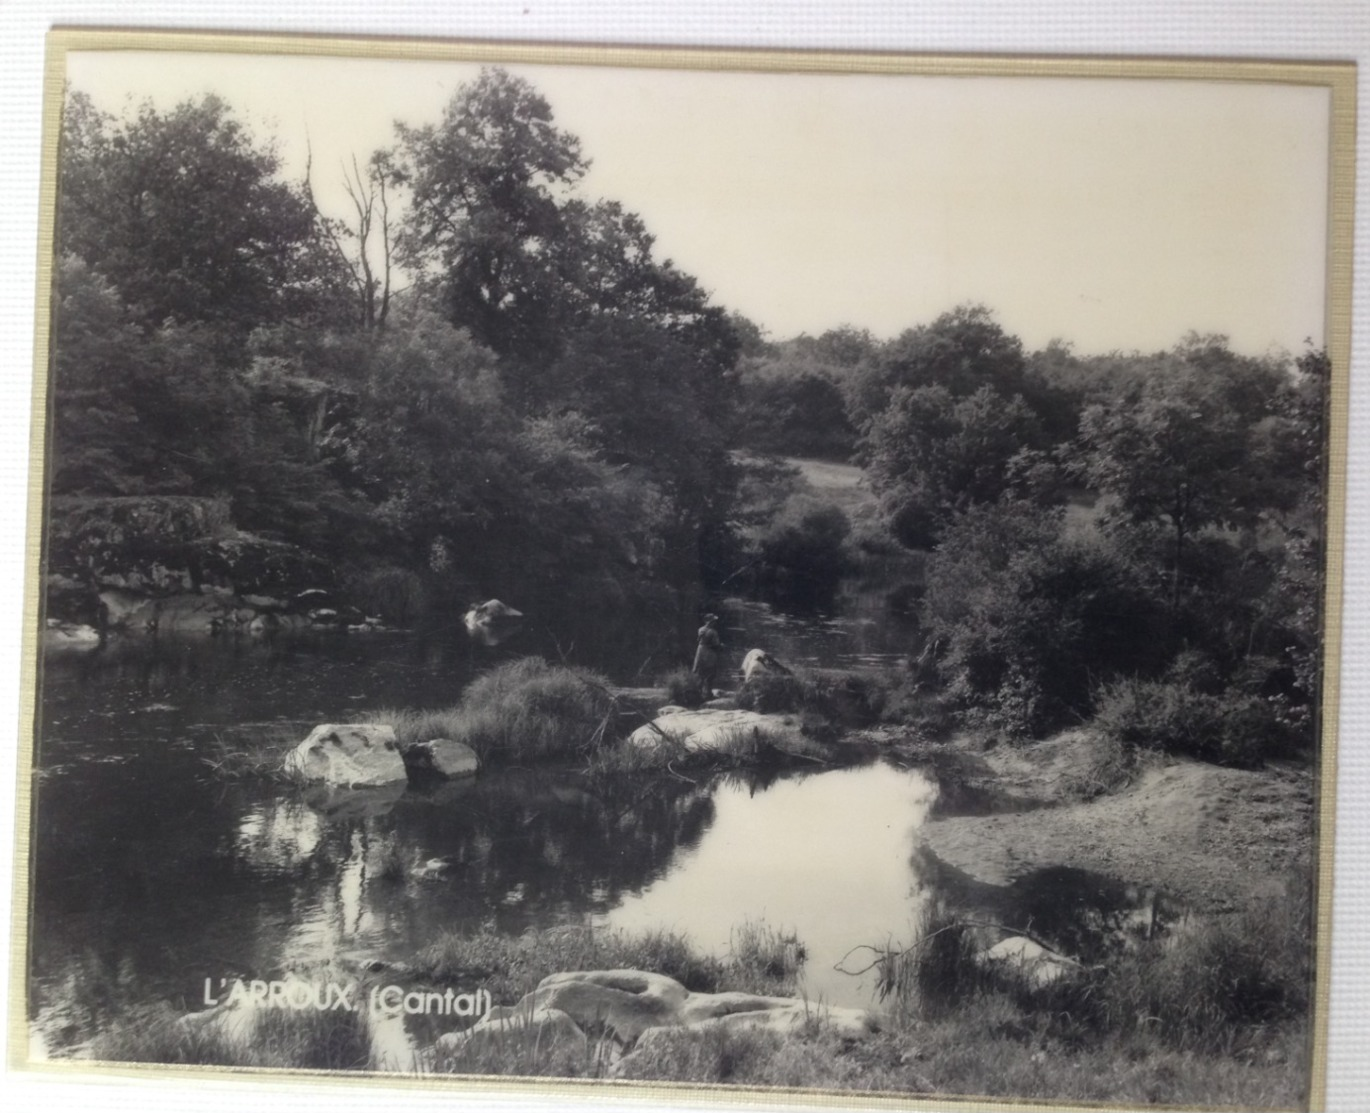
[{"x": 1213, "y": 838}]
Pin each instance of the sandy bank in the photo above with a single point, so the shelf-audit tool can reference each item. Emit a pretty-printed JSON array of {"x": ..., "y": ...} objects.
[{"x": 1216, "y": 838}]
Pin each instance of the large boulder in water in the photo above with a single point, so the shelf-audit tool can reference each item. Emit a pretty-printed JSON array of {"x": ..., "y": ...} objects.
[{"x": 351, "y": 755}]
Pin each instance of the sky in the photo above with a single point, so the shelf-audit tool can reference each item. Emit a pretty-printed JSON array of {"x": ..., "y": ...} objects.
[{"x": 1112, "y": 214}]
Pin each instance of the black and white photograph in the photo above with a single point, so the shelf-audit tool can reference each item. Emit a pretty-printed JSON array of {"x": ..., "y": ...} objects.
[{"x": 694, "y": 573}]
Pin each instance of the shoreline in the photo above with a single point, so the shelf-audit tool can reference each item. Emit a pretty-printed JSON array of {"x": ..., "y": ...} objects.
[{"x": 1216, "y": 839}]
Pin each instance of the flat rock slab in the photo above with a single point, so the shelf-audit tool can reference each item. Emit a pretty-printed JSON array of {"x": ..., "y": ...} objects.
[
  {"x": 720, "y": 730},
  {"x": 349, "y": 755}
]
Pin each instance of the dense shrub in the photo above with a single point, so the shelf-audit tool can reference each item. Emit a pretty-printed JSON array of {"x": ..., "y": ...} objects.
[
  {"x": 1028, "y": 619},
  {"x": 684, "y": 688},
  {"x": 1230, "y": 727},
  {"x": 831, "y": 696},
  {"x": 806, "y": 540}
]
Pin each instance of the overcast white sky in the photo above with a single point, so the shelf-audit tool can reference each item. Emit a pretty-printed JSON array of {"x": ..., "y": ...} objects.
[{"x": 1113, "y": 214}]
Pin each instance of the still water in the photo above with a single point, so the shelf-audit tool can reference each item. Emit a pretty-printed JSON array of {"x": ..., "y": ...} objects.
[{"x": 151, "y": 873}]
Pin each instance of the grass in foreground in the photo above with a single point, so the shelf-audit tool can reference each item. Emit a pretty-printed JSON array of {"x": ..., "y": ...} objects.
[
  {"x": 280, "y": 1039},
  {"x": 1215, "y": 1014},
  {"x": 762, "y": 959}
]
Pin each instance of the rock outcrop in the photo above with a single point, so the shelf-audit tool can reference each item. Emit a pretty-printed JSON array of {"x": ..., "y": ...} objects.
[
  {"x": 490, "y": 613},
  {"x": 628, "y": 1006},
  {"x": 351, "y": 755},
  {"x": 158, "y": 563},
  {"x": 722, "y": 731}
]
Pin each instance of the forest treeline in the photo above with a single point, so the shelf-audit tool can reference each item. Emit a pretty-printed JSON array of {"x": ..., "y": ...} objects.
[{"x": 484, "y": 373}]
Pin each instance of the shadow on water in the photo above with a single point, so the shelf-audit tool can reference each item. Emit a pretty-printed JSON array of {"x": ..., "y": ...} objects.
[{"x": 1080, "y": 913}]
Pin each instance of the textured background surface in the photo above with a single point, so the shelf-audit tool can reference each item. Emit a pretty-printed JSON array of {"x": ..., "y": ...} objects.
[{"x": 1273, "y": 29}]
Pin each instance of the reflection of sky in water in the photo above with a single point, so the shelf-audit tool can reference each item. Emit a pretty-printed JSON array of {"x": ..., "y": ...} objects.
[
  {"x": 279, "y": 836},
  {"x": 826, "y": 856},
  {"x": 151, "y": 873}
]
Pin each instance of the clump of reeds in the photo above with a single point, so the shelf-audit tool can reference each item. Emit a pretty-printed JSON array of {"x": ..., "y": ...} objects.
[
  {"x": 260, "y": 755},
  {"x": 525, "y": 710},
  {"x": 684, "y": 688},
  {"x": 765, "y": 960}
]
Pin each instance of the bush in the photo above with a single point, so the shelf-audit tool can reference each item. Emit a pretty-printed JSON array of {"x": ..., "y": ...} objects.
[
  {"x": 806, "y": 539},
  {"x": 525, "y": 710},
  {"x": 833, "y": 696},
  {"x": 1230, "y": 728},
  {"x": 684, "y": 688},
  {"x": 1027, "y": 618},
  {"x": 1207, "y": 986}
]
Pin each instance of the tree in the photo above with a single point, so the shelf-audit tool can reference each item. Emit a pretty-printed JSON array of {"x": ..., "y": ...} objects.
[
  {"x": 930, "y": 454},
  {"x": 1029, "y": 620},
  {"x": 138, "y": 411},
  {"x": 184, "y": 214},
  {"x": 487, "y": 188},
  {"x": 519, "y": 259},
  {"x": 961, "y": 351},
  {"x": 366, "y": 249},
  {"x": 1176, "y": 450}
]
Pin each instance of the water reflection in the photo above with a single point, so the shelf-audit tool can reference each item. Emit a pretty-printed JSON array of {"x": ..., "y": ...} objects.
[
  {"x": 1079, "y": 913},
  {"x": 150, "y": 874},
  {"x": 826, "y": 855}
]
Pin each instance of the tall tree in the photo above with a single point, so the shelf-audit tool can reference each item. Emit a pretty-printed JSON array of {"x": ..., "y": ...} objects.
[
  {"x": 519, "y": 259},
  {"x": 961, "y": 351},
  {"x": 931, "y": 454},
  {"x": 1180, "y": 449},
  {"x": 185, "y": 214},
  {"x": 487, "y": 188}
]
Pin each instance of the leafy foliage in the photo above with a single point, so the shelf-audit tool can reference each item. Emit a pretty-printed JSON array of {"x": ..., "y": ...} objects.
[{"x": 182, "y": 211}]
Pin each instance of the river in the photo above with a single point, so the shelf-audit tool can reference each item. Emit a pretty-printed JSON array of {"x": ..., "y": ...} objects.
[{"x": 152, "y": 873}]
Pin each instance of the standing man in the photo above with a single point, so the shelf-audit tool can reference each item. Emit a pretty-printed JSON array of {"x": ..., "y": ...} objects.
[{"x": 707, "y": 654}]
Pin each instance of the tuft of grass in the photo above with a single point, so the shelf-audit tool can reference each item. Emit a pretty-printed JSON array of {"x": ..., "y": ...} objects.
[
  {"x": 1107, "y": 765},
  {"x": 524, "y": 1053},
  {"x": 765, "y": 960},
  {"x": 259, "y": 755},
  {"x": 276, "y": 1038},
  {"x": 684, "y": 688},
  {"x": 526, "y": 710},
  {"x": 761, "y": 960},
  {"x": 510, "y": 966}
]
